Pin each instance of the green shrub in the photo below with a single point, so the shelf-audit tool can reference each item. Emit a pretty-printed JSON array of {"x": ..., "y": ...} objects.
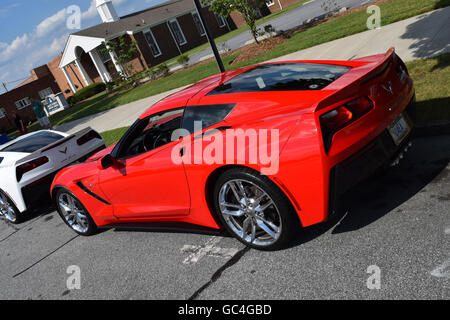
[
  {"x": 110, "y": 86},
  {"x": 88, "y": 92},
  {"x": 162, "y": 69},
  {"x": 183, "y": 60},
  {"x": 151, "y": 73}
]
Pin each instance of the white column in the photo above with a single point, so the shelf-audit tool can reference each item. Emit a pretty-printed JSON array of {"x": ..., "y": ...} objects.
[
  {"x": 113, "y": 56},
  {"x": 83, "y": 72},
  {"x": 99, "y": 65},
  {"x": 71, "y": 84},
  {"x": 279, "y": 3}
]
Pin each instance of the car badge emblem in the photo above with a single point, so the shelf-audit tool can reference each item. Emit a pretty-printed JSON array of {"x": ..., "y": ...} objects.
[
  {"x": 63, "y": 151},
  {"x": 388, "y": 88}
]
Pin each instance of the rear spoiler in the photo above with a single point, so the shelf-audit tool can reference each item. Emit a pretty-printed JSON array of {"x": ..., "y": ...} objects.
[
  {"x": 55, "y": 144},
  {"x": 358, "y": 76}
]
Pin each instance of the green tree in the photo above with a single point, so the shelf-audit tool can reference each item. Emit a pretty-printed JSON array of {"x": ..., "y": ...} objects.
[
  {"x": 125, "y": 50},
  {"x": 248, "y": 9}
]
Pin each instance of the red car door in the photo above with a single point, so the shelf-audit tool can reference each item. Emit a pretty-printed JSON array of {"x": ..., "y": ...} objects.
[{"x": 145, "y": 183}]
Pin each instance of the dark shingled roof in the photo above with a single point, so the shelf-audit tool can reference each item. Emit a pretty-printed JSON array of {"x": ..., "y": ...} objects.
[{"x": 138, "y": 19}]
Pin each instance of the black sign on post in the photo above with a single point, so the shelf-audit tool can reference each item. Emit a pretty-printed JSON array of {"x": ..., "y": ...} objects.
[{"x": 208, "y": 34}]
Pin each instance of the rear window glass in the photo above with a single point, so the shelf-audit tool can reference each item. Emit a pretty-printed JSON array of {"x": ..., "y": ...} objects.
[
  {"x": 283, "y": 77},
  {"x": 34, "y": 142},
  {"x": 209, "y": 115}
]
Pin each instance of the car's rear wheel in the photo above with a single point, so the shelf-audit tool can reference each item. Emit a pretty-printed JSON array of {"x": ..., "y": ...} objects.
[
  {"x": 8, "y": 209},
  {"x": 74, "y": 213},
  {"x": 254, "y": 210}
]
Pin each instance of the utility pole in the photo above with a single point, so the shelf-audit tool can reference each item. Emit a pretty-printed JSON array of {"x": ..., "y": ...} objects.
[
  {"x": 4, "y": 86},
  {"x": 209, "y": 36}
]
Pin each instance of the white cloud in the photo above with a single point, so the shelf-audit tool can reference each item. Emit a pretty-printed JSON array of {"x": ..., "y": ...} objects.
[
  {"x": 16, "y": 46},
  {"x": 51, "y": 24},
  {"x": 91, "y": 12}
]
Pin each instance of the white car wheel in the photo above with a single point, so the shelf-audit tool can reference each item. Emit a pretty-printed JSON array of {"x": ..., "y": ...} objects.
[{"x": 8, "y": 209}]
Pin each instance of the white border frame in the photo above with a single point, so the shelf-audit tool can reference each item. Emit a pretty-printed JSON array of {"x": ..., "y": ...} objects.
[
  {"x": 181, "y": 30},
  {"x": 23, "y": 107},
  {"x": 220, "y": 19},
  {"x": 204, "y": 31},
  {"x": 149, "y": 30},
  {"x": 39, "y": 93}
]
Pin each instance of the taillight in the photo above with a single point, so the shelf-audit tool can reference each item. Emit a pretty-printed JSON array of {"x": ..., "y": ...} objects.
[
  {"x": 88, "y": 137},
  {"x": 28, "y": 166},
  {"x": 336, "y": 119},
  {"x": 360, "y": 106}
]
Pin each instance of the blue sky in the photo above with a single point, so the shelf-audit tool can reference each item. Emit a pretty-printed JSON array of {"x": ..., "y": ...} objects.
[{"x": 32, "y": 32}]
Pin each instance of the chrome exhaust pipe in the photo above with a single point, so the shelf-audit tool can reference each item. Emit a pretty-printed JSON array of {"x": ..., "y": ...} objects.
[{"x": 401, "y": 155}]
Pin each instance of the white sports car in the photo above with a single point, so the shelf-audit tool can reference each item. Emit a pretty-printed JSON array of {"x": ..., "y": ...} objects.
[{"x": 29, "y": 163}]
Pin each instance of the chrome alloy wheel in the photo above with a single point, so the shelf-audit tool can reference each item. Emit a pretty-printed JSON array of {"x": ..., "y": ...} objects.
[
  {"x": 6, "y": 208},
  {"x": 73, "y": 212},
  {"x": 250, "y": 212}
]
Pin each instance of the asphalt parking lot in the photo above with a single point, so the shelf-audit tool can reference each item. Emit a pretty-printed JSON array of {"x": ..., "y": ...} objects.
[{"x": 398, "y": 221}]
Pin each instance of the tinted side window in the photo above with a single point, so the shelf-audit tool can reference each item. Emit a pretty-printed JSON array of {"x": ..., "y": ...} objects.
[
  {"x": 35, "y": 142},
  {"x": 208, "y": 115},
  {"x": 150, "y": 133}
]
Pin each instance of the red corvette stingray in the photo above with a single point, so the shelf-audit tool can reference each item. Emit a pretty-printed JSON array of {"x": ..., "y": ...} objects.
[{"x": 260, "y": 151}]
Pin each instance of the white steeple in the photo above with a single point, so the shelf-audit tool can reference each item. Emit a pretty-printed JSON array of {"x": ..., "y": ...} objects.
[{"x": 106, "y": 10}]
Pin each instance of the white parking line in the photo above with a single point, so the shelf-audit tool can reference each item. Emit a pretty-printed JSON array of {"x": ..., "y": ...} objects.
[
  {"x": 208, "y": 249},
  {"x": 443, "y": 271}
]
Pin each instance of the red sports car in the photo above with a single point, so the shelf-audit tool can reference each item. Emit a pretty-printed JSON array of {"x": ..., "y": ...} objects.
[{"x": 260, "y": 151}]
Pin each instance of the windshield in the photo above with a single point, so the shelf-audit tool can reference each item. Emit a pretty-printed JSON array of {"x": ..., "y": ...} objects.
[{"x": 34, "y": 142}]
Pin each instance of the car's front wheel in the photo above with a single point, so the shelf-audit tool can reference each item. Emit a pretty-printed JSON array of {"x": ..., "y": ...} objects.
[
  {"x": 74, "y": 213},
  {"x": 8, "y": 209},
  {"x": 254, "y": 209}
]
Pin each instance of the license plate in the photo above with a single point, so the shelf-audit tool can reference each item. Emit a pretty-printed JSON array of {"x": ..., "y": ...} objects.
[{"x": 399, "y": 129}]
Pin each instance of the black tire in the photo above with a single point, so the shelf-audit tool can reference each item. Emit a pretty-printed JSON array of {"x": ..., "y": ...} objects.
[
  {"x": 91, "y": 226},
  {"x": 284, "y": 212},
  {"x": 19, "y": 217}
]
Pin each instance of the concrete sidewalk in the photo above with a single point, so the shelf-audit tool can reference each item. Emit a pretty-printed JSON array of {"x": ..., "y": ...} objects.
[{"x": 422, "y": 36}]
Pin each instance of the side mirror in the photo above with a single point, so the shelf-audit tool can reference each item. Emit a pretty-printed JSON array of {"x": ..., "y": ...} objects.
[{"x": 107, "y": 161}]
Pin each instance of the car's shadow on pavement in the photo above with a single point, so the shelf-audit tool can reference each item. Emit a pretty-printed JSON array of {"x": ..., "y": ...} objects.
[
  {"x": 174, "y": 227},
  {"x": 372, "y": 199}
]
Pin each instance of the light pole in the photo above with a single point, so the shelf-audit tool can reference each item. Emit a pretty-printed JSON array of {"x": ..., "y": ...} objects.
[{"x": 209, "y": 36}]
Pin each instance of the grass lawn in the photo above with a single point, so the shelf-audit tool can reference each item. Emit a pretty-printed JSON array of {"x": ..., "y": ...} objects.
[
  {"x": 431, "y": 78},
  {"x": 391, "y": 11},
  {"x": 112, "y": 136}
]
